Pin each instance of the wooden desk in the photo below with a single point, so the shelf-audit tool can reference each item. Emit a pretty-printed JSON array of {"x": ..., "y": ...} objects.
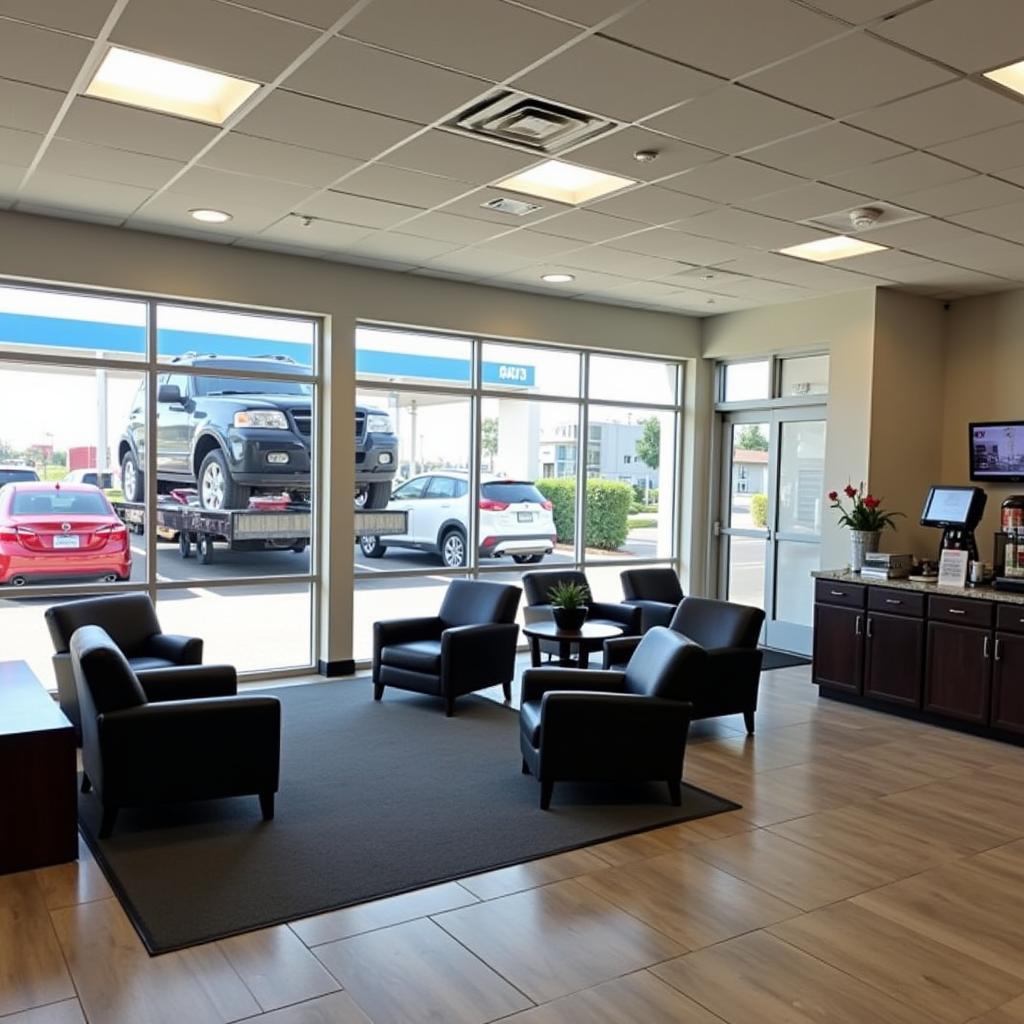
[{"x": 38, "y": 800}]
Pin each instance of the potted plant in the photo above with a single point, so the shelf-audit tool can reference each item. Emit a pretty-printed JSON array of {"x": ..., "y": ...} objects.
[
  {"x": 866, "y": 519},
  {"x": 569, "y": 604}
]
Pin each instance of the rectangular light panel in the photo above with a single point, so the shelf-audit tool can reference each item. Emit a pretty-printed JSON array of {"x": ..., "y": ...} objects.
[
  {"x": 838, "y": 247},
  {"x": 564, "y": 183}
]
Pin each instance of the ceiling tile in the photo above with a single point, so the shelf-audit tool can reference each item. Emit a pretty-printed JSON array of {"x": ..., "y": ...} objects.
[
  {"x": 73, "y": 193},
  {"x": 989, "y": 255},
  {"x": 371, "y": 213},
  {"x": 1004, "y": 221},
  {"x": 586, "y": 280},
  {"x": 592, "y": 74},
  {"x": 447, "y": 227},
  {"x": 472, "y": 206},
  {"x": 321, "y": 13},
  {"x": 213, "y": 35},
  {"x": 850, "y": 74},
  {"x": 730, "y": 39},
  {"x": 286, "y": 162},
  {"x": 349, "y": 72},
  {"x": 320, "y": 234},
  {"x": 652, "y": 205},
  {"x": 287, "y": 117},
  {"x": 84, "y": 17},
  {"x": 210, "y": 187},
  {"x": 64, "y": 156},
  {"x": 977, "y": 193},
  {"x": 479, "y": 262},
  {"x": 826, "y": 151},
  {"x": 10, "y": 181},
  {"x": 859, "y": 12},
  {"x": 993, "y": 150},
  {"x": 141, "y": 131},
  {"x": 616, "y": 261},
  {"x": 752, "y": 229},
  {"x": 530, "y": 244},
  {"x": 926, "y": 237},
  {"x": 791, "y": 270},
  {"x": 170, "y": 209},
  {"x": 973, "y": 36},
  {"x": 484, "y": 37},
  {"x": 40, "y": 57},
  {"x": 642, "y": 290},
  {"x": 401, "y": 248},
  {"x": 804, "y": 201},
  {"x": 1014, "y": 174},
  {"x": 583, "y": 12},
  {"x": 614, "y": 152},
  {"x": 28, "y": 107},
  {"x": 940, "y": 115},
  {"x": 392, "y": 184},
  {"x": 17, "y": 148},
  {"x": 677, "y": 245},
  {"x": 452, "y": 156},
  {"x": 731, "y": 180},
  {"x": 899, "y": 175},
  {"x": 586, "y": 226},
  {"x": 732, "y": 119}
]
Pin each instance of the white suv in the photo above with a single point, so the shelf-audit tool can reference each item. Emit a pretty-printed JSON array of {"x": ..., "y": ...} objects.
[{"x": 515, "y": 519}]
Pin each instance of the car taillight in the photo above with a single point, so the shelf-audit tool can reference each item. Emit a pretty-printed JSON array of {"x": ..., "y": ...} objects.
[
  {"x": 113, "y": 530},
  {"x": 8, "y": 533},
  {"x": 490, "y": 505},
  {"x": 547, "y": 506}
]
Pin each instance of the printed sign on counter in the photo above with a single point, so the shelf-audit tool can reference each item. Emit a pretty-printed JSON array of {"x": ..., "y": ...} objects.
[{"x": 953, "y": 568}]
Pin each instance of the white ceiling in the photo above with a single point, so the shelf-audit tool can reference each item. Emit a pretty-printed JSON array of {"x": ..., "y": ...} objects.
[{"x": 765, "y": 113}]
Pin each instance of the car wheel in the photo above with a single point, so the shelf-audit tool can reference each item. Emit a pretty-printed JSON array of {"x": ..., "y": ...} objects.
[
  {"x": 378, "y": 496},
  {"x": 371, "y": 547},
  {"x": 204, "y": 548},
  {"x": 453, "y": 549},
  {"x": 217, "y": 489},
  {"x": 133, "y": 485},
  {"x": 527, "y": 559}
]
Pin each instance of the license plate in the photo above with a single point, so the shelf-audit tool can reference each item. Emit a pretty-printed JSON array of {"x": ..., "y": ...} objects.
[
  {"x": 66, "y": 542},
  {"x": 524, "y": 517}
]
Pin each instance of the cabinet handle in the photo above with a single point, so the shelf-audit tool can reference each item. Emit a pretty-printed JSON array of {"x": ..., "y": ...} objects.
[
  {"x": 840, "y": 593},
  {"x": 856, "y": 626},
  {"x": 956, "y": 611},
  {"x": 985, "y": 648},
  {"x": 892, "y": 600},
  {"x": 999, "y": 655},
  {"x": 869, "y": 627}
]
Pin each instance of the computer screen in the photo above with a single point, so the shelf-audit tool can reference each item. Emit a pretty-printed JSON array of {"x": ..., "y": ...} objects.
[{"x": 952, "y": 506}]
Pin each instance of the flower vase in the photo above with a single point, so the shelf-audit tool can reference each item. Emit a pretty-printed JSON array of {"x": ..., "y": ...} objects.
[{"x": 862, "y": 542}]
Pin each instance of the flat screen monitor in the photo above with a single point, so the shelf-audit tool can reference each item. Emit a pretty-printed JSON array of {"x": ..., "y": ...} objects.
[
  {"x": 958, "y": 507},
  {"x": 997, "y": 451}
]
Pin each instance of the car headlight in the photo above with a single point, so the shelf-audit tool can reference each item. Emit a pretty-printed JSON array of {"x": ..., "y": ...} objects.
[
  {"x": 378, "y": 423},
  {"x": 265, "y": 419}
]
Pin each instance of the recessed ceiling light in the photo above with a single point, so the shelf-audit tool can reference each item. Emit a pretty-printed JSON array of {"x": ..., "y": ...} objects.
[
  {"x": 168, "y": 86},
  {"x": 564, "y": 183},
  {"x": 838, "y": 247},
  {"x": 1011, "y": 76},
  {"x": 210, "y": 216},
  {"x": 558, "y": 278}
]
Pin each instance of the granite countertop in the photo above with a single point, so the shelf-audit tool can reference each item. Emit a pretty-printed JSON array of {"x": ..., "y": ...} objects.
[{"x": 971, "y": 593}]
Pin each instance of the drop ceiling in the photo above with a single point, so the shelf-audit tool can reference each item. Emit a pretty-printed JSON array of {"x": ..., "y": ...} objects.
[{"x": 768, "y": 118}]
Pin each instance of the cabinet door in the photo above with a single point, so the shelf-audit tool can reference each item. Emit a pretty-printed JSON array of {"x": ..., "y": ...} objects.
[
  {"x": 959, "y": 671},
  {"x": 893, "y": 658},
  {"x": 1008, "y": 683},
  {"x": 838, "y": 647}
]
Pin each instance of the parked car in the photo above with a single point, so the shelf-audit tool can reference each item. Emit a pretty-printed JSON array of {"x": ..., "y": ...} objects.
[
  {"x": 106, "y": 480},
  {"x": 235, "y": 437},
  {"x": 15, "y": 472},
  {"x": 515, "y": 519},
  {"x": 55, "y": 530}
]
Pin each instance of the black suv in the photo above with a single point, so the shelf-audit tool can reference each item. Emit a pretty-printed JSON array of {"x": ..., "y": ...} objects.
[{"x": 231, "y": 437}]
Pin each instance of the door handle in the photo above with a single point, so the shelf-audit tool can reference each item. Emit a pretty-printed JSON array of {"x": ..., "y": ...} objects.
[{"x": 984, "y": 650}]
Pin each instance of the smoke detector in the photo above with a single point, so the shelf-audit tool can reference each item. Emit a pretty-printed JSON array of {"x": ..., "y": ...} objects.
[{"x": 865, "y": 217}]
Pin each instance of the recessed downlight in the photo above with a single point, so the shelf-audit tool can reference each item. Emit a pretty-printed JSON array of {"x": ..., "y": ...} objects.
[
  {"x": 558, "y": 278},
  {"x": 210, "y": 216},
  {"x": 837, "y": 247},
  {"x": 564, "y": 183},
  {"x": 141, "y": 80}
]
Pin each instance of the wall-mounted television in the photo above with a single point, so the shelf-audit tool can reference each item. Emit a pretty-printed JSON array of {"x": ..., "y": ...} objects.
[{"x": 997, "y": 451}]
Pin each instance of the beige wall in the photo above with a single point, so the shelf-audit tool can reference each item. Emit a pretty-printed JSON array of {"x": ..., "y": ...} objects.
[{"x": 73, "y": 253}]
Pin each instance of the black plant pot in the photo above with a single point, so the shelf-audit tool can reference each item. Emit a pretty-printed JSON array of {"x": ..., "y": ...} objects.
[{"x": 570, "y": 619}]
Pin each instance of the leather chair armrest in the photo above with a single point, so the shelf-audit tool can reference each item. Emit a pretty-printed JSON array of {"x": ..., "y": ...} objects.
[
  {"x": 189, "y": 682},
  {"x": 582, "y": 719},
  {"x": 405, "y": 631},
  {"x": 725, "y": 663},
  {"x": 619, "y": 650},
  {"x": 182, "y": 650},
  {"x": 468, "y": 651},
  {"x": 627, "y": 615},
  {"x": 536, "y": 682}
]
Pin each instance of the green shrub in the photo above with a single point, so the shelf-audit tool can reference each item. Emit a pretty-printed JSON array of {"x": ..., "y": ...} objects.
[
  {"x": 608, "y": 505},
  {"x": 759, "y": 510},
  {"x": 562, "y": 495}
]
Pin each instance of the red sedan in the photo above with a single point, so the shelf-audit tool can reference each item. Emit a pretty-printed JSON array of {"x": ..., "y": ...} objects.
[{"x": 60, "y": 530}]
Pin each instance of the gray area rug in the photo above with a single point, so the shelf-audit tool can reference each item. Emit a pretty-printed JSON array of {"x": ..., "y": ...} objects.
[{"x": 375, "y": 799}]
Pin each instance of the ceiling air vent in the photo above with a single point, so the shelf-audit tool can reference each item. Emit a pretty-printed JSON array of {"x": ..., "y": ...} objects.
[
  {"x": 528, "y": 123},
  {"x": 516, "y": 207}
]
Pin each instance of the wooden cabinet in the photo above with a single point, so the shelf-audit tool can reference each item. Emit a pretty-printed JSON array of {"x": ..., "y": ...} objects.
[
  {"x": 958, "y": 671},
  {"x": 894, "y": 657},
  {"x": 1008, "y": 682},
  {"x": 838, "y": 647}
]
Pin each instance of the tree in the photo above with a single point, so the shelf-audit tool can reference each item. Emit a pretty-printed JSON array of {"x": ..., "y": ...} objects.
[
  {"x": 648, "y": 445},
  {"x": 489, "y": 438},
  {"x": 751, "y": 439}
]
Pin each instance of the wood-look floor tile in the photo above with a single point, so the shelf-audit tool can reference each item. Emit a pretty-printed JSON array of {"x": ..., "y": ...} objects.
[
  {"x": 1011, "y": 1013},
  {"x": 80, "y": 881},
  {"x": 641, "y": 846},
  {"x": 717, "y": 826},
  {"x": 950, "y": 986},
  {"x": 504, "y": 881},
  {"x": 554, "y": 940},
  {"x": 276, "y": 967},
  {"x": 759, "y": 978},
  {"x": 416, "y": 973},
  {"x": 119, "y": 983},
  {"x": 794, "y": 873},
  {"x": 66, "y": 1012},
  {"x": 640, "y": 998},
  {"x": 688, "y": 899},
  {"x": 365, "y": 917},
  {"x": 32, "y": 969},
  {"x": 337, "y": 1008}
]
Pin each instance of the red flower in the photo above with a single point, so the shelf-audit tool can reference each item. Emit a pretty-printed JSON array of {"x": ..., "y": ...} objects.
[
  {"x": 850, "y": 491},
  {"x": 870, "y": 502},
  {"x": 833, "y": 495}
]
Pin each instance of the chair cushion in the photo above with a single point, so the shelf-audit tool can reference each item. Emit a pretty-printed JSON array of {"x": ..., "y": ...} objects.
[
  {"x": 652, "y": 585},
  {"x": 529, "y": 722},
  {"x": 102, "y": 669},
  {"x": 145, "y": 664},
  {"x": 477, "y": 603},
  {"x": 418, "y": 656},
  {"x": 129, "y": 620},
  {"x": 715, "y": 624}
]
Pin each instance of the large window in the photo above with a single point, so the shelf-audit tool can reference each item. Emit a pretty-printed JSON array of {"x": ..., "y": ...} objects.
[
  {"x": 214, "y": 520},
  {"x": 489, "y": 470}
]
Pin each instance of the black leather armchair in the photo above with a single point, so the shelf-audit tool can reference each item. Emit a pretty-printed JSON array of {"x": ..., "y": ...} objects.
[
  {"x": 579, "y": 724},
  {"x": 140, "y": 749},
  {"x": 656, "y": 592},
  {"x": 469, "y": 645},
  {"x": 537, "y": 586},
  {"x": 130, "y": 621},
  {"x": 729, "y": 634}
]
